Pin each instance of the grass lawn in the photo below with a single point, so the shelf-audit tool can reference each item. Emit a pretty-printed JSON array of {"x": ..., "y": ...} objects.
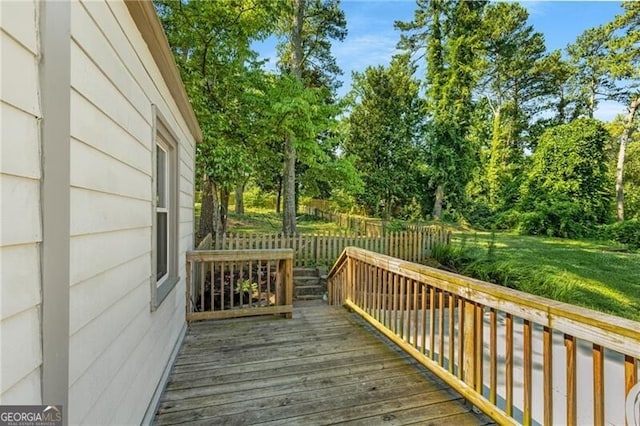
[
  {"x": 590, "y": 274},
  {"x": 267, "y": 221}
]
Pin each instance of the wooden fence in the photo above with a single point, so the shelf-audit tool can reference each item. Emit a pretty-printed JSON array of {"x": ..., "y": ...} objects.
[
  {"x": 358, "y": 224},
  {"x": 232, "y": 283},
  {"x": 522, "y": 359},
  {"x": 324, "y": 249}
]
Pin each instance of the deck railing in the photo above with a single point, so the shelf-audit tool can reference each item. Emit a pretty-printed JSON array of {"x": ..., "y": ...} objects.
[
  {"x": 520, "y": 358},
  {"x": 237, "y": 283}
]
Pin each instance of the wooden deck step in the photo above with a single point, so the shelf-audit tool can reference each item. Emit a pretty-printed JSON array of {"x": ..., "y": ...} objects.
[{"x": 324, "y": 366}]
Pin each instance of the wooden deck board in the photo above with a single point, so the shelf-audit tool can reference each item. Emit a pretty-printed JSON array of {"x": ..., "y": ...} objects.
[{"x": 324, "y": 366}]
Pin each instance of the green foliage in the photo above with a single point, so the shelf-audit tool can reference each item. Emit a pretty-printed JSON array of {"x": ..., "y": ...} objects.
[
  {"x": 383, "y": 139},
  {"x": 447, "y": 34},
  {"x": 567, "y": 189},
  {"x": 627, "y": 233},
  {"x": 632, "y": 181}
]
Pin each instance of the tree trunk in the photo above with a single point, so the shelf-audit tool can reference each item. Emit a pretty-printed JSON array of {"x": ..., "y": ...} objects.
[
  {"x": 437, "y": 205},
  {"x": 624, "y": 140},
  {"x": 289, "y": 176},
  {"x": 216, "y": 215},
  {"x": 279, "y": 197},
  {"x": 289, "y": 190},
  {"x": 206, "y": 225},
  {"x": 239, "y": 207},
  {"x": 224, "y": 209}
]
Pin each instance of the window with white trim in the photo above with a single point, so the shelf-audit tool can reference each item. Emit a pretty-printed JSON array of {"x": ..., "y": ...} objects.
[{"x": 165, "y": 220}]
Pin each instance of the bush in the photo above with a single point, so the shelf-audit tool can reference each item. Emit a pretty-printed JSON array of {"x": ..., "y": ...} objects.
[
  {"x": 627, "y": 233},
  {"x": 567, "y": 190},
  {"x": 564, "y": 219}
]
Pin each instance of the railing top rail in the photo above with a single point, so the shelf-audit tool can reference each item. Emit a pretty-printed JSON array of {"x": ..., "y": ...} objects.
[
  {"x": 612, "y": 332},
  {"x": 239, "y": 255}
]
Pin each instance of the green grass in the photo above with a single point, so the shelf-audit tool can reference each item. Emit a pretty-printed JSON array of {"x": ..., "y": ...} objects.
[
  {"x": 591, "y": 274},
  {"x": 258, "y": 220}
]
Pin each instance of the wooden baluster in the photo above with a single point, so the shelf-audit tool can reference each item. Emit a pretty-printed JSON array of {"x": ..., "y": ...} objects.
[
  {"x": 479, "y": 346},
  {"x": 461, "y": 328},
  {"x": 232, "y": 280},
  {"x": 415, "y": 314},
  {"x": 547, "y": 368},
  {"x": 570, "y": 344},
  {"x": 452, "y": 332},
  {"x": 509, "y": 365},
  {"x": 269, "y": 262},
  {"x": 221, "y": 286},
  {"x": 188, "y": 302},
  {"x": 432, "y": 323},
  {"x": 630, "y": 374},
  {"x": 527, "y": 367},
  {"x": 401, "y": 308},
  {"x": 395, "y": 304},
  {"x": 203, "y": 273},
  {"x": 441, "y": 328},
  {"x": 493, "y": 355},
  {"x": 407, "y": 305},
  {"x": 598, "y": 385},
  {"x": 424, "y": 318}
]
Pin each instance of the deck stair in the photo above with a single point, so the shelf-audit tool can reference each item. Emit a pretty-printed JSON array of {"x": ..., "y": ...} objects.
[{"x": 309, "y": 283}]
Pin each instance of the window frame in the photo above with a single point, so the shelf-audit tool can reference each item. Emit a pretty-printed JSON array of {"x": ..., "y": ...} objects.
[{"x": 164, "y": 138}]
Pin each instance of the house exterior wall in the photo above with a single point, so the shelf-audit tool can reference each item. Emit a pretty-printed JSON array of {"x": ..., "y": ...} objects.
[
  {"x": 20, "y": 228},
  {"x": 118, "y": 346}
]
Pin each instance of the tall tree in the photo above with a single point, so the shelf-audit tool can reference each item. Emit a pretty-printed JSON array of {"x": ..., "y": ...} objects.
[
  {"x": 588, "y": 54},
  {"x": 624, "y": 67},
  {"x": 385, "y": 132},
  {"x": 306, "y": 55},
  {"x": 448, "y": 31},
  {"x": 512, "y": 87},
  {"x": 609, "y": 61}
]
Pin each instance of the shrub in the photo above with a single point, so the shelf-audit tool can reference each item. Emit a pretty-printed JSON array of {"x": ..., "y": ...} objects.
[
  {"x": 568, "y": 189},
  {"x": 627, "y": 233}
]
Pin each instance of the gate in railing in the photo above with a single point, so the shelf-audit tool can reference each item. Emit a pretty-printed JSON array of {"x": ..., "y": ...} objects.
[
  {"x": 237, "y": 283},
  {"x": 518, "y": 357}
]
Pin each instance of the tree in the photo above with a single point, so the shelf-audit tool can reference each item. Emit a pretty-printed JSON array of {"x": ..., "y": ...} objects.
[
  {"x": 512, "y": 87},
  {"x": 624, "y": 66},
  {"x": 211, "y": 42},
  {"x": 447, "y": 31},
  {"x": 567, "y": 188},
  {"x": 588, "y": 55},
  {"x": 306, "y": 55},
  {"x": 384, "y": 137}
]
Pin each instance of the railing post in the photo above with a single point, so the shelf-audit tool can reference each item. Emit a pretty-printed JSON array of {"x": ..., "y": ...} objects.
[
  {"x": 348, "y": 288},
  {"x": 469, "y": 345},
  {"x": 188, "y": 290},
  {"x": 288, "y": 283}
]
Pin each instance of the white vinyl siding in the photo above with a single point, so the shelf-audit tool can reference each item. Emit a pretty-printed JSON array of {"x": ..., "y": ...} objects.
[
  {"x": 20, "y": 229},
  {"x": 119, "y": 347}
]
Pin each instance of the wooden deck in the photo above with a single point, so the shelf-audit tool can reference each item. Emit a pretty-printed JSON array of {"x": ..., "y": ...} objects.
[{"x": 324, "y": 366}]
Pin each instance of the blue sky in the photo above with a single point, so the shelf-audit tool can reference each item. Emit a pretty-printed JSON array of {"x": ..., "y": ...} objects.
[{"x": 372, "y": 37}]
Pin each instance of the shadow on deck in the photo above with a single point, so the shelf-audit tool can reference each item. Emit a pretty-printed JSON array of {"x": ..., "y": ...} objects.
[{"x": 324, "y": 366}]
